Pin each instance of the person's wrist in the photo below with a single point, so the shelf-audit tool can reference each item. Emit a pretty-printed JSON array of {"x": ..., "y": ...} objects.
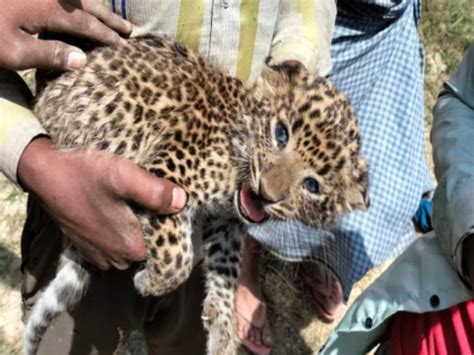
[{"x": 36, "y": 157}]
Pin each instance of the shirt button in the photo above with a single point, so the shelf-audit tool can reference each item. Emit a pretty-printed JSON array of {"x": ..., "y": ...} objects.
[
  {"x": 368, "y": 323},
  {"x": 434, "y": 301},
  {"x": 225, "y": 3}
]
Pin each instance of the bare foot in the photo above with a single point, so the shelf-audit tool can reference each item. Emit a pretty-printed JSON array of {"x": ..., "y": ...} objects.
[
  {"x": 326, "y": 290},
  {"x": 251, "y": 312},
  {"x": 252, "y": 323}
]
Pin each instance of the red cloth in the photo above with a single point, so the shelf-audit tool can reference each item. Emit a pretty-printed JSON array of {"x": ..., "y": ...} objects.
[{"x": 446, "y": 332}]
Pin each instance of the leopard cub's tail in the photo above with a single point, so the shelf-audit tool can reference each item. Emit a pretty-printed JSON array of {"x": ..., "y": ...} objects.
[{"x": 65, "y": 291}]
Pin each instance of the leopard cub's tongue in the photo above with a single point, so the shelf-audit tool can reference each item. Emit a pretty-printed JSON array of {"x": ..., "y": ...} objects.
[{"x": 251, "y": 204}]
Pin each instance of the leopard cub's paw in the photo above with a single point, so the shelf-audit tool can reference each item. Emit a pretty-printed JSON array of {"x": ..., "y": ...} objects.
[{"x": 142, "y": 283}]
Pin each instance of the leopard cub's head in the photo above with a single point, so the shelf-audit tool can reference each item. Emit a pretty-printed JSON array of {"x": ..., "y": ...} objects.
[{"x": 303, "y": 152}]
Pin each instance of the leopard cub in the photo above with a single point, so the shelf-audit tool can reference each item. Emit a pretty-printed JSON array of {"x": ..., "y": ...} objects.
[{"x": 286, "y": 148}]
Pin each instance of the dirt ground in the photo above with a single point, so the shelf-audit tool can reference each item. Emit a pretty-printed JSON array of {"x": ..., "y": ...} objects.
[{"x": 446, "y": 29}]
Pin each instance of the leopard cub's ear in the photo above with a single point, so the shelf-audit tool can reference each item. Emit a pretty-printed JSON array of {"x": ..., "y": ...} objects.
[
  {"x": 356, "y": 200},
  {"x": 276, "y": 77},
  {"x": 357, "y": 196}
]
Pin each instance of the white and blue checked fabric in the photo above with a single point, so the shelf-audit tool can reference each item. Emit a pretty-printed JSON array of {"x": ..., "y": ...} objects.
[{"x": 378, "y": 63}]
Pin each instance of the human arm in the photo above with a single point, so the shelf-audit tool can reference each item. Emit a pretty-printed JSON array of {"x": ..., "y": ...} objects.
[
  {"x": 453, "y": 152},
  {"x": 86, "y": 193},
  {"x": 303, "y": 34},
  {"x": 19, "y": 20}
]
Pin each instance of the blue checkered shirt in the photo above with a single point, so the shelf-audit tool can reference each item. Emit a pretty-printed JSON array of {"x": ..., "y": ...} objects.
[{"x": 378, "y": 63}]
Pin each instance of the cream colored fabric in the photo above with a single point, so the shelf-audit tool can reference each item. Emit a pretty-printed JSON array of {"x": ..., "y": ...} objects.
[{"x": 18, "y": 126}]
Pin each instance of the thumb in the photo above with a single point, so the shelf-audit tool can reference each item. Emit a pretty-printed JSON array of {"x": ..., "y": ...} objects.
[
  {"x": 56, "y": 55},
  {"x": 131, "y": 182}
]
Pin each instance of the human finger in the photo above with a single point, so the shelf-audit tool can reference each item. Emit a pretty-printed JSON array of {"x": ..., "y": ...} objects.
[
  {"x": 108, "y": 17},
  {"x": 91, "y": 255},
  {"x": 84, "y": 24},
  {"x": 36, "y": 53},
  {"x": 120, "y": 265},
  {"x": 133, "y": 183},
  {"x": 135, "y": 248}
]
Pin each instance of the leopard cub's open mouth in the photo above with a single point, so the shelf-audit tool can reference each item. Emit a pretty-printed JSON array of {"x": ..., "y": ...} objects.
[{"x": 250, "y": 205}]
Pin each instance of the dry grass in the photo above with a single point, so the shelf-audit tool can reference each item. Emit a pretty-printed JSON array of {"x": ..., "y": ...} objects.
[
  {"x": 12, "y": 209},
  {"x": 446, "y": 30},
  {"x": 295, "y": 328}
]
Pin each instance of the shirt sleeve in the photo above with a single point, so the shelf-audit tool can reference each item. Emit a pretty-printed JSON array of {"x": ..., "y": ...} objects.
[
  {"x": 18, "y": 125},
  {"x": 453, "y": 152},
  {"x": 304, "y": 32}
]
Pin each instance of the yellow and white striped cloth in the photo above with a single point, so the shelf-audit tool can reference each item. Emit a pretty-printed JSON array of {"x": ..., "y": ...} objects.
[{"x": 236, "y": 35}]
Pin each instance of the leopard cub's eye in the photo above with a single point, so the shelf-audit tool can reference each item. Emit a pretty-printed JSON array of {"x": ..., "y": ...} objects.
[
  {"x": 281, "y": 135},
  {"x": 311, "y": 185}
]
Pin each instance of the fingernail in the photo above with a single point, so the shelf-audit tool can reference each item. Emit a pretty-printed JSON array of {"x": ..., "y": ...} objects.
[
  {"x": 129, "y": 26},
  {"x": 123, "y": 41},
  {"x": 76, "y": 60},
  {"x": 178, "y": 198}
]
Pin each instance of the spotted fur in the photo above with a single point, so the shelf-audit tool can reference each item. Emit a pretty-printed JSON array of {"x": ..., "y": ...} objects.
[{"x": 163, "y": 107}]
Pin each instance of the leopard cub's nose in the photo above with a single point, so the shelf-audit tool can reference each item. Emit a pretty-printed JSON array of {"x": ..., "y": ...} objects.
[{"x": 269, "y": 193}]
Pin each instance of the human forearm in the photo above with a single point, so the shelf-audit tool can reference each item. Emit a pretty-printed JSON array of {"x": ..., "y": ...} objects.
[
  {"x": 304, "y": 33},
  {"x": 453, "y": 153}
]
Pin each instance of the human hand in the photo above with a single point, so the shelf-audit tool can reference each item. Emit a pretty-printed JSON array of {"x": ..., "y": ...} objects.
[
  {"x": 20, "y": 19},
  {"x": 468, "y": 257},
  {"x": 86, "y": 194}
]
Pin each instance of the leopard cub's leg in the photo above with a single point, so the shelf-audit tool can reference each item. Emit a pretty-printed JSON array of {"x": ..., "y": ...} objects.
[
  {"x": 169, "y": 254},
  {"x": 222, "y": 266}
]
